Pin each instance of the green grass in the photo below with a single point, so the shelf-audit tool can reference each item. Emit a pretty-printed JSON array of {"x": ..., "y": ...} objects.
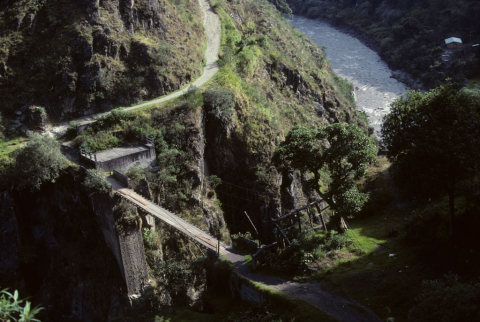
[
  {"x": 286, "y": 308},
  {"x": 291, "y": 309},
  {"x": 7, "y": 147},
  {"x": 380, "y": 272}
]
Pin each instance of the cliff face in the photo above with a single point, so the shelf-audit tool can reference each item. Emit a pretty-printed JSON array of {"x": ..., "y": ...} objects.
[
  {"x": 84, "y": 56},
  {"x": 53, "y": 249}
]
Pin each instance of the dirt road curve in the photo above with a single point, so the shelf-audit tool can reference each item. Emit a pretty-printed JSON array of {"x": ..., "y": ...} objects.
[
  {"x": 338, "y": 307},
  {"x": 213, "y": 29}
]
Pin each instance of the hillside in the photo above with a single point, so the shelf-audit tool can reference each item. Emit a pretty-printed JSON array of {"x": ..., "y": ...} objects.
[
  {"x": 410, "y": 35},
  {"x": 270, "y": 78},
  {"x": 80, "y": 57}
]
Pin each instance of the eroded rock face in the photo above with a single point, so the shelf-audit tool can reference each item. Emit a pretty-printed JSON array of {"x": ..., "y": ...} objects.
[
  {"x": 92, "y": 56},
  {"x": 52, "y": 248}
]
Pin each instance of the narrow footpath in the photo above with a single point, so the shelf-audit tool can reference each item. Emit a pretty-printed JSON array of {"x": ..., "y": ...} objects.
[
  {"x": 338, "y": 307},
  {"x": 213, "y": 30}
]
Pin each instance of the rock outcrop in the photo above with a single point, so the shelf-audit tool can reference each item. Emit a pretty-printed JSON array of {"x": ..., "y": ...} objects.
[{"x": 90, "y": 55}]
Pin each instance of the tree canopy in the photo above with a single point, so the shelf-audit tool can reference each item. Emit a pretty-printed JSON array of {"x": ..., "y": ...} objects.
[
  {"x": 39, "y": 161},
  {"x": 342, "y": 151},
  {"x": 433, "y": 140}
]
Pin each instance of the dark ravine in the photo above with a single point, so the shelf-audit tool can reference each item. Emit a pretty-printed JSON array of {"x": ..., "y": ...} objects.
[{"x": 54, "y": 250}]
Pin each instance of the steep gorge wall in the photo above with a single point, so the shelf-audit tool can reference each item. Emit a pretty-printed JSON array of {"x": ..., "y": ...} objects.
[
  {"x": 84, "y": 56},
  {"x": 65, "y": 260}
]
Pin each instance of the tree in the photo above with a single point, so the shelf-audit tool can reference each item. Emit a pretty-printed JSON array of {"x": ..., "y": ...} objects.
[
  {"x": 39, "y": 161},
  {"x": 433, "y": 140},
  {"x": 96, "y": 183},
  {"x": 175, "y": 277},
  {"x": 220, "y": 103},
  {"x": 342, "y": 151}
]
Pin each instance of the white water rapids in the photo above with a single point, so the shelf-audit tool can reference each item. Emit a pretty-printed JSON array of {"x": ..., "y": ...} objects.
[{"x": 363, "y": 67}]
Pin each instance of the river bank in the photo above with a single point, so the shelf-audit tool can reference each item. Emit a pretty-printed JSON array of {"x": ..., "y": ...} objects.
[{"x": 374, "y": 82}]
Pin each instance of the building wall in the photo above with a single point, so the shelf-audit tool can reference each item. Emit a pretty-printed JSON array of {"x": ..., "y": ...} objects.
[{"x": 143, "y": 159}]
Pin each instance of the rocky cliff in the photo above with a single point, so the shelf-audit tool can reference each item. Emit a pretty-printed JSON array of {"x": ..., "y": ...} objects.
[
  {"x": 53, "y": 249},
  {"x": 84, "y": 56}
]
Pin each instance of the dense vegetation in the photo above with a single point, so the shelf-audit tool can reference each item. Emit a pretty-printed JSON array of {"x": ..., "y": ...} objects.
[{"x": 410, "y": 34}]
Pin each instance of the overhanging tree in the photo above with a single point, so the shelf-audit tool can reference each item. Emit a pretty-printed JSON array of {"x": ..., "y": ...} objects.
[
  {"x": 40, "y": 160},
  {"x": 342, "y": 151},
  {"x": 433, "y": 140}
]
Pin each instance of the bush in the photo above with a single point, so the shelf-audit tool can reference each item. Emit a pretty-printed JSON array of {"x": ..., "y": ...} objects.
[
  {"x": 447, "y": 300},
  {"x": 220, "y": 103},
  {"x": 304, "y": 251},
  {"x": 12, "y": 309},
  {"x": 97, "y": 142},
  {"x": 39, "y": 161},
  {"x": 95, "y": 183},
  {"x": 214, "y": 181},
  {"x": 126, "y": 216}
]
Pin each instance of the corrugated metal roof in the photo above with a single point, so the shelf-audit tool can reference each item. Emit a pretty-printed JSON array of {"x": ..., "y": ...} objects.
[{"x": 453, "y": 39}]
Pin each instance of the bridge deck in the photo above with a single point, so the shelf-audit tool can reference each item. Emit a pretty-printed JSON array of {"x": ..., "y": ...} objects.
[{"x": 195, "y": 234}]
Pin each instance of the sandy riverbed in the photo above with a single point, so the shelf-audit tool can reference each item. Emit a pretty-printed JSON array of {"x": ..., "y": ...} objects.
[{"x": 363, "y": 67}]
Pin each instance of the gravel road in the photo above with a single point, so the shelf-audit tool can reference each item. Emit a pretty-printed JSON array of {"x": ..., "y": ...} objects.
[
  {"x": 363, "y": 67},
  {"x": 213, "y": 30},
  {"x": 338, "y": 307}
]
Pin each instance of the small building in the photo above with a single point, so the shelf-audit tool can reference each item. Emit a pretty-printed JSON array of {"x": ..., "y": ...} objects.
[
  {"x": 453, "y": 42},
  {"x": 122, "y": 158}
]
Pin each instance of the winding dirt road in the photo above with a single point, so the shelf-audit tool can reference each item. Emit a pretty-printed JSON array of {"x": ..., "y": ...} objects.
[
  {"x": 213, "y": 30},
  {"x": 375, "y": 90},
  {"x": 338, "y": 307}
]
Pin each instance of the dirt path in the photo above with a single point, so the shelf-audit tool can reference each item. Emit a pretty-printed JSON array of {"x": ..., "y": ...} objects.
[
  {"x": 363, "y": 67},
  {"x": 213, "y": 30},
  {"x": 338, "y": 307}
]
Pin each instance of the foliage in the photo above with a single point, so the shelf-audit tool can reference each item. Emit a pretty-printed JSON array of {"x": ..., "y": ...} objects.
[
  {"x": 154, "y": 63},
  {"x": 13, "y": 309},
  {"x": 447, "y": 300},
  {"x": 214, "y": 181},
  {"x": 342, "y": 151},
  {"x": 282, "y": 6},
  {"x": 137, "y": 172},
  {"x": 220, "y": 103},
  {"x": 39, "y": 161},
  {"x": 151, "y": 238},
  {"x": 96, "y": 183},
  {"x": 433, "y": 141},
  {"x": 126, "y": 216},
  {"x": 94, "y": 142},
  {"x": 2, "y": 127},
  {"x": 175, "y": 277},
  {"x": 259, "y": 313},
  {"x": 303, "y": 252}
]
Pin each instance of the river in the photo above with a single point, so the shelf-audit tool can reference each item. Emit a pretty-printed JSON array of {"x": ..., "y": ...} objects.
[{"x": 363, "y": 67}]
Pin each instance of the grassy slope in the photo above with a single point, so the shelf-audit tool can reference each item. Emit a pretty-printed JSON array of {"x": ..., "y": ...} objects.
[{"x": 386, "y": 273}]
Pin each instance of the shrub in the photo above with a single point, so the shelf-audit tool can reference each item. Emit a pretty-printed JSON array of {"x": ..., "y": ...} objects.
[
  {"x": 214, "y": 181},
  {"x": 447, "y": 300},
  {"x": 220, "y": 103},
  {"x": 95, "y": 183},
  {"x": 39, "y": 161},
  {"x": 126, "y": 216},
  {"x": 12, "y": 309}
]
